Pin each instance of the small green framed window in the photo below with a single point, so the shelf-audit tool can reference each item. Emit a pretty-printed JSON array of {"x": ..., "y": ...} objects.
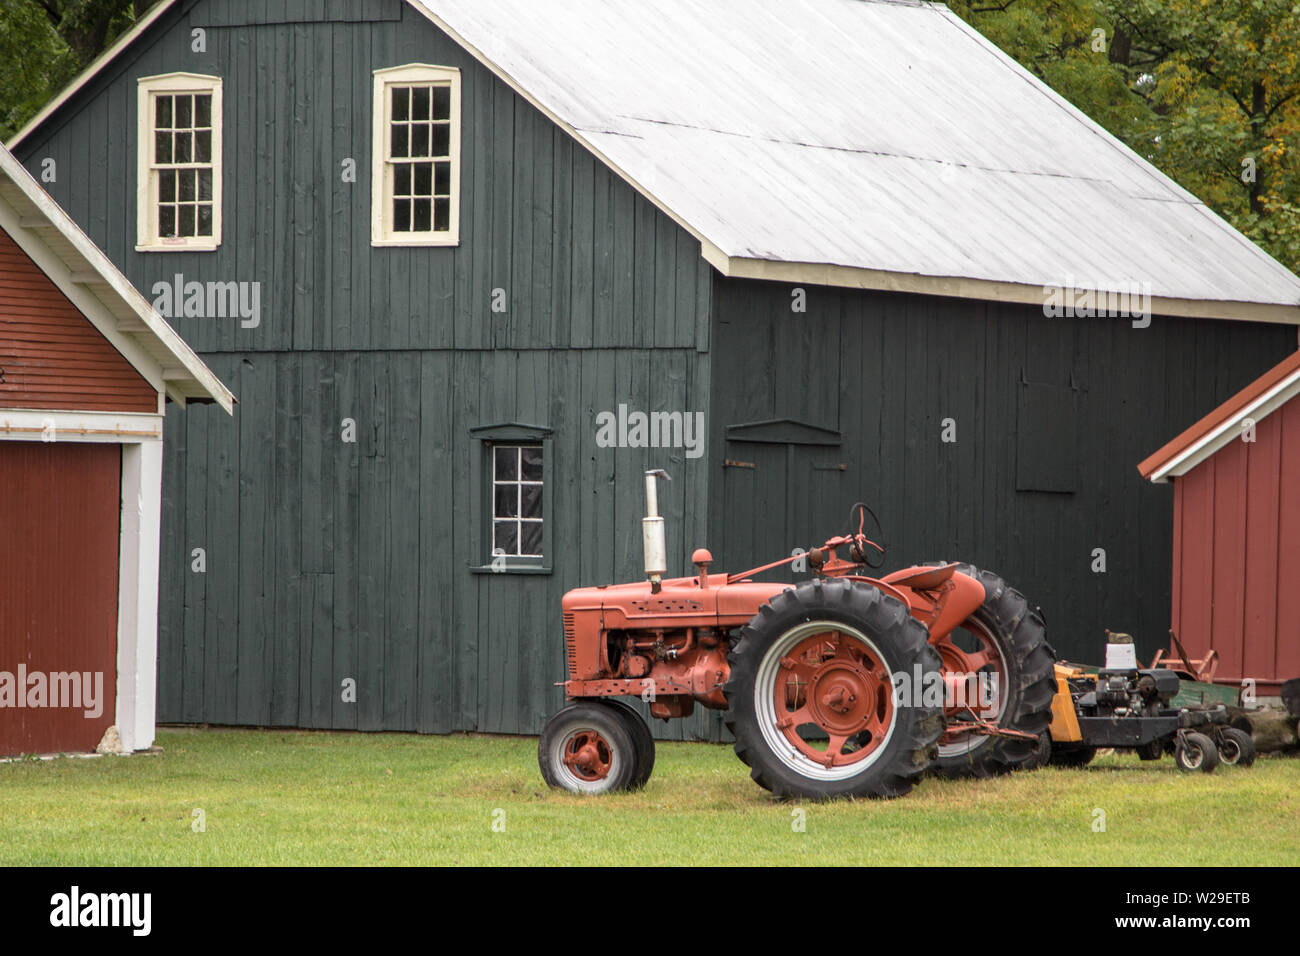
[{"x": 513, "y": 498}]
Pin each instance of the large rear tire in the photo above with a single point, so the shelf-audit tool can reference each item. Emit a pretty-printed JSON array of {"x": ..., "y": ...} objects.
[
  {"x": 817, "y": 663},
  {"x": 1006, "y": 637}
]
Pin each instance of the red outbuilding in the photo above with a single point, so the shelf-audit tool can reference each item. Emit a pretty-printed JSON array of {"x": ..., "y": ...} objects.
[
  {"x": 1236, "y": 476},
  {"x": 86, "y": 369}
]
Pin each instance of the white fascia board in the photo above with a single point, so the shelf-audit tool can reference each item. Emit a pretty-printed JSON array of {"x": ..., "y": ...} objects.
[
  {"x": 1229, "y": 429},
  {"x": 36, "y": 424}
]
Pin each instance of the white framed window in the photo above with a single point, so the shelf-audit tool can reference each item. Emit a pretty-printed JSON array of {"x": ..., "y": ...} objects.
[
  {"x": 517, "y": 513},
  {"x": 415, "y": 175},
  {"x": 178, "y": 149}
]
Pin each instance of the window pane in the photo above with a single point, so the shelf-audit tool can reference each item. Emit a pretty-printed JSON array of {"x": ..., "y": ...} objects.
[
  {"x": 167, "y": 185},
  {"x": 185, "y": 179},
  {"x": 441, "y": 140},
  {"x": 420, "y": 139},
  {"x": 532, "y": 542},
  {"x": 442, "y": 102},
  {"x": 184, "y": 112},
  {"x": 183, "y": 152},
  {"x": 162, "y": 147},
  {"x": 203, "y": 147},
  {"x": 401, "y": 102},
  {"x": 442, "y": 179},
  {"x": 400, "y": 138},
  {"x": 421, "y": 215},
  {"x": 205, "y": 219},
  {"x": 506, "y": 501},
  {"x": 506, "y": 462},
  {"x": 532, "y": 459},
  {"x": 506, "y": 537},
  {"x": 420, "y": 103},
  {"x": 203, "y": 110},
  {"x": 424, "y": 179},
  {"x": 530, "y": 501},
  {"x": 441, "y": 215},
  {"x": 402, "y": 180},
  {"x": 185, "y": 221},
  {"x": 402, "y": 215},
  {"x": 205, "y": 183},
  {"x": 167, "y": 220},
  {"x": 162, "y": 112}
]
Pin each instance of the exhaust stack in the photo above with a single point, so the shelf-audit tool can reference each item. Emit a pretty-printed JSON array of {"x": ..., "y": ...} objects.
[{"x": 652, "y": 531}]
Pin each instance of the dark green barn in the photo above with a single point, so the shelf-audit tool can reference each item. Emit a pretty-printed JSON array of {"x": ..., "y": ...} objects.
[{"x": 429, "y": 244}]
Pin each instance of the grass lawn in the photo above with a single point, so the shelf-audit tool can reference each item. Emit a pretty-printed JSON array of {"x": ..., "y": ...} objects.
[{"x": 305, "y": 798}]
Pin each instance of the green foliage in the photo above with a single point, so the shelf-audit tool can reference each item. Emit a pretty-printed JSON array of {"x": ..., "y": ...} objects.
[
  {"x": 44, "y": 44},
  {"x": 1206, "y": 90}
]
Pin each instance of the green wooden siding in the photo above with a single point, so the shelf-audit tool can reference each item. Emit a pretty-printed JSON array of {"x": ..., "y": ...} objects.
[
  {"x": 886, "y": 369},
  {"x": 327, "y": 560}
]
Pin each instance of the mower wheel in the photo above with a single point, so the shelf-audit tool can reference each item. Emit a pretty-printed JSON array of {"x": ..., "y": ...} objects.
[
  {"x": 1150, "y": 751},
  {"x": 588, "y": 747},
  {"x": 1196, "y": 752},
  {"x": 1236, "y": 747},
  {"x": 641, "y": 738},
  {"x": 1072, "y": 756},
  {"x": 1006, "y": 637},
  {"x": 811, "y": 699}
]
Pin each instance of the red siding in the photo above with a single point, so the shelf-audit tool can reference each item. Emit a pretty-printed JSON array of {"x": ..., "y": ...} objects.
[
  {"x": 1237, "y": 554},
  {"x": 50, "y": 354},
  {"x": 60, "y": 515}
]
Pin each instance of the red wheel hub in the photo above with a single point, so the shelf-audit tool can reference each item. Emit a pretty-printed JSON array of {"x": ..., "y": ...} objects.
[
  {"x": 588, "y": 755},
  {"x": 833, "y": 682},
  {"x": 963, "y": 670}
]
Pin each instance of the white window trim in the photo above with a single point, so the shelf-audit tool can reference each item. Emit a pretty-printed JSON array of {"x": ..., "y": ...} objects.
[
  {"x": 381, "y": 185},
  {"x": 147, "y": 238}
]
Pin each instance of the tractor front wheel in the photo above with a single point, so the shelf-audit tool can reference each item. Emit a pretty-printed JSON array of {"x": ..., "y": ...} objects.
[
  {"x": 588, "y": 747},
  {"x": 811, "y": 698},
  {"x": 641, "y": 738}
]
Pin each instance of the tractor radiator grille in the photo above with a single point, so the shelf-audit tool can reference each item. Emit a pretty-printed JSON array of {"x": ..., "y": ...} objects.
[{"x": 571, "y": 645}]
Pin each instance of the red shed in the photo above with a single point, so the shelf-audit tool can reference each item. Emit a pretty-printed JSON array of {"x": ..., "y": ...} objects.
[
  {"x": 86, "y": 368},
  {"x": 1236, "y": 476}
]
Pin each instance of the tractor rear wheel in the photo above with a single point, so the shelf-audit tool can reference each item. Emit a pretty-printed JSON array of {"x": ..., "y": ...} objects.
[
  {"x": 1005, "y": 640},
  {"x": 588, "y": 747},
  {"x": 811, "y": 698},
  {"x": 641, "y": 738}
]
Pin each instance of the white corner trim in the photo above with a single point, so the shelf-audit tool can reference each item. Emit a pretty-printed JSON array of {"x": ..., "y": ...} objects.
[
  {"x": 91, "y": 71},
  {"x": 137, "y": 602},
  {"x": 1228, "y": 429}
]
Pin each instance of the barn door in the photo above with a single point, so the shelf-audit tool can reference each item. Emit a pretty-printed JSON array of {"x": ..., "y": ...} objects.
[
  {"x": 784, "y": 486},
  {"x": 60, "y": 511}
]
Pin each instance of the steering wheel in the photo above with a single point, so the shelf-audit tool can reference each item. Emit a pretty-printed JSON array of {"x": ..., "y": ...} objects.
[{"x": 857, "y": 525}]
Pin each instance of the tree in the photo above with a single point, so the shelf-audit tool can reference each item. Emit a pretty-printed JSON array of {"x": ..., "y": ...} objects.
[{"x": 44, "y": 44}]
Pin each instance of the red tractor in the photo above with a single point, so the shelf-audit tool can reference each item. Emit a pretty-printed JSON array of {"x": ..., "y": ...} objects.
[{"x": 842, "y": 685}]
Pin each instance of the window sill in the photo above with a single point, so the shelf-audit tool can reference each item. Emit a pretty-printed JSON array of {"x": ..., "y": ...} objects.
[
  {"x": 178, "y": 247},
  {"x": 517, "y": 569},
  {"x": 443, "y": 241}
]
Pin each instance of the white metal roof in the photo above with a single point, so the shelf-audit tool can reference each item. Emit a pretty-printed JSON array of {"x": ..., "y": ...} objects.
[
  {"x": 103, "y": 295},
  {"x": 873, "y": 143}
]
